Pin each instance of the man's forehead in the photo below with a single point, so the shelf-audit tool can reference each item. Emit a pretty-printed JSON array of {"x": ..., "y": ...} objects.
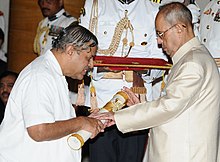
[
  {"x": 159, "y": 22},
  {"x": 6, "y": 78},
  {"x": 52, "y": 2}
]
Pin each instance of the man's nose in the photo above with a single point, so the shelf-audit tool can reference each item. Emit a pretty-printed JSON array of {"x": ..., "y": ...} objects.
[
  {"x": 159, "y": 40},
  {"x": 91, "y": 63},
  {"x": 5, "y": 88}
]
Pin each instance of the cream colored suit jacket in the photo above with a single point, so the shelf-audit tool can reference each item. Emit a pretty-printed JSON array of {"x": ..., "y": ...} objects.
[{"x": 185, "y": 121}]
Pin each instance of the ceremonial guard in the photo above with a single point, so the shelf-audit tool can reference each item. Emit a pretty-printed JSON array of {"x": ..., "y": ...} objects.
[
  {"x": 210, "y": 29},
  {"x": 124, "y": 28},
  {"x": 51, "y": 25}
]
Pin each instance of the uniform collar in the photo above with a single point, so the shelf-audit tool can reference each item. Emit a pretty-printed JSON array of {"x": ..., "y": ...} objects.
[
  {"x": 57, "y": 15},
  {"x": 126, "y": 1},
  {"x": 194, "y": 42}
]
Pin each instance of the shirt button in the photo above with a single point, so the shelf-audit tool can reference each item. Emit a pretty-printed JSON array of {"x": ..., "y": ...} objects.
[
  {"x": 143, "y": 43},
  {"x": 145, "y": 35},
  {"x": 204, "y": 40},
  {"x": 105, "y": 32},
  {"x": 208, "y": 27}
]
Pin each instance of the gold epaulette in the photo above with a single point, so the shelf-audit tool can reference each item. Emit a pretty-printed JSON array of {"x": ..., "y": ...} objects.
[
  {"x": 40, "y": 30},
  {"x": 82, "y": 11},
  {"x": 156, "y": 1}
]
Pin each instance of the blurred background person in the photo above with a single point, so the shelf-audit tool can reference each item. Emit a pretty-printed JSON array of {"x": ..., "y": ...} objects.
[{"x": 7, "y": 80}]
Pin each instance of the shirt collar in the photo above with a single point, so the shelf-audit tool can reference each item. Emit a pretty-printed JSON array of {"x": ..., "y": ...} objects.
[
  {"x": 57, "y": 15},
  {"x": 194, "y": 42},
  {"x": 54, "y": 63}
]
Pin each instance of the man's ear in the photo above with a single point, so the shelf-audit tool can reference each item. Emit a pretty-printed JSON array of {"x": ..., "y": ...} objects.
[
  {"x": 180, "y": 27},
  {"x": 70, "y": 50}
]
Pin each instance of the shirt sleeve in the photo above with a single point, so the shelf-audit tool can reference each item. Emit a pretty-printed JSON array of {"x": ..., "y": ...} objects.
[
  {"x": 38, "y": 100},
  {"x": 181, "y": 93}
]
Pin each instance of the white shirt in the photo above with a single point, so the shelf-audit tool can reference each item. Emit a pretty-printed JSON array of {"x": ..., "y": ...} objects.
[
  {"x": 141, "y": 14},
  {"x": 44, "y": 37},
  {"x": 40, "y": 95}
]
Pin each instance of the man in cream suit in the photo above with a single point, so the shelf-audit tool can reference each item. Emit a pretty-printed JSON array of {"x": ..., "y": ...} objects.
[{"x": 184, "y": 122}]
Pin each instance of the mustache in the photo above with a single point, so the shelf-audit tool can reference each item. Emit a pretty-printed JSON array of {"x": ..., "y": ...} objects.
[
  {"x": 5, "y": 93},
  {"x": 45, "y": 9}
]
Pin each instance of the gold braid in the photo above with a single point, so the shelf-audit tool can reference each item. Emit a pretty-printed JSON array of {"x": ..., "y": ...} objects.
[
  {"x": 40, "y": 30},
  {"x": 124, "y": 23}
]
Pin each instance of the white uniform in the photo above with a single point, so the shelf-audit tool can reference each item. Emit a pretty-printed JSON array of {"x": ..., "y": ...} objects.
[
  {"x": 40, "y": 95},
  {"x": 210, "y": 28},
  {"x": 141, "y": 14},
  {"x": 2, "y": 27},
  {"x": 48, "y": 29}
]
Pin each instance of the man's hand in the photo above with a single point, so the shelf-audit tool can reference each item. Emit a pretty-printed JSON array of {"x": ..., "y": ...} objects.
[
  {"x": 93, "y": 125},
  {"x": 107, "y": 118},
  {"x": 132, "y": 98}
]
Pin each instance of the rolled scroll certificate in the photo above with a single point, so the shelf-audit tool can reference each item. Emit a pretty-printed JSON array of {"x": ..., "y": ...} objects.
[{"x": 77, "y": 140}]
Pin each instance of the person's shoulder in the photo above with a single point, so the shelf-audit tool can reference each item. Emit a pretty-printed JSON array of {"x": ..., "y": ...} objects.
[
  {"x": 66, "y": 14},
  {"x": 153, "y": 5},
  {"x": 89, "y": 3},
  {"x": 69, "y": 16},
  {"x": 43, "y": 21}
]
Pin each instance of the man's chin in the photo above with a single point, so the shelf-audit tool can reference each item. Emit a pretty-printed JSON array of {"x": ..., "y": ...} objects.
[
  {"x": 79, "y": 77},
  {"x": 46, "y": 13}
]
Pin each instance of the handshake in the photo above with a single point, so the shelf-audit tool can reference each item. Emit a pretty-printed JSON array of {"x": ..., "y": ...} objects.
[{"x": 106, "y": 115}]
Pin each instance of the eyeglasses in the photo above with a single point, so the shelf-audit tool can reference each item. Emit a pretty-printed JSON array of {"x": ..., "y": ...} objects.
[{"x": 162, "y": 34}]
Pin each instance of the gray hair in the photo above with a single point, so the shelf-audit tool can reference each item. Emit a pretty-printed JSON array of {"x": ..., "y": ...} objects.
[
  {"x": 176, "y": 12},
  {"x": 77, "y": 36}
]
